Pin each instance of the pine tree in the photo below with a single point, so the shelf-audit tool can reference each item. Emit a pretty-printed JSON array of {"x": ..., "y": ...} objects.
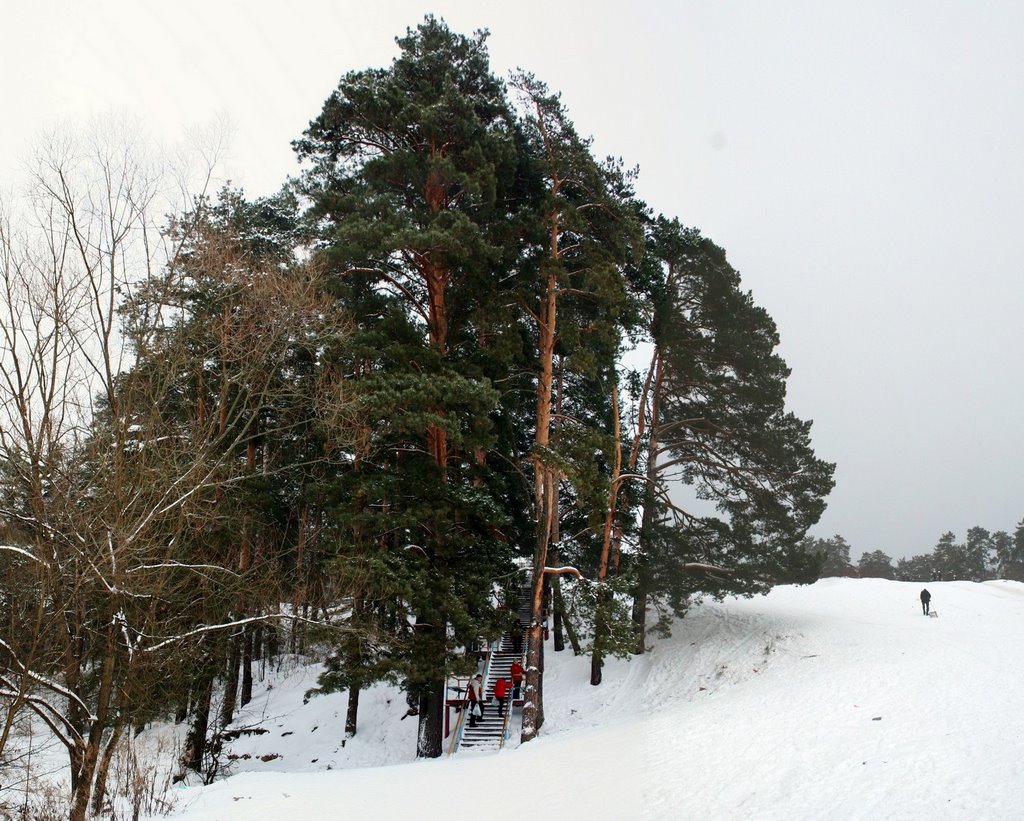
[
  {"x": 963, "y": 561},
  {"x": 722, "y": 428},
  {"x": 410, "y": 173},
  {"x": 1015, "y": 563},
  {"x": 586, "y": 227},
  {"x": 836, "y": 555},
  {"x": 917, "y": 569},
  {"x": 1009, "y": 551},
  {"x": 875, "y": 564}
]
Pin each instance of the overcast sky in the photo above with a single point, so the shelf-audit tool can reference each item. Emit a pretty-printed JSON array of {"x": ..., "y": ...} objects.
[{"x": 861, "y": 162}]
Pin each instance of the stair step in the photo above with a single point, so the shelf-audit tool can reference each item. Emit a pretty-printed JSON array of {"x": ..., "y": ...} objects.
[{"x": 488, "y": 732}]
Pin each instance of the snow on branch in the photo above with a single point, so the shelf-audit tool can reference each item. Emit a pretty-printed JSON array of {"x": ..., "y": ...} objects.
[
  {"x": 32, "y": 521},
  {"x": 183, "y": 566},
  {"x": 21, "y": 552},
  {"x": 211, "y": 628},
  {"x": 65, "y": 731},
  {"x": 710, "y": 568},
  {"x": 71, "y": 741},
  {"x": 45, "y": 682},
  {"x": 562, "y": 571},
  {"x": 623, "y": 476}
]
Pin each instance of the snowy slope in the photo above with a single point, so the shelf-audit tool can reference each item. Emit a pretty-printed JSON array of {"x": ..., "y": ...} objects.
[{"x": 838, "y": 700}]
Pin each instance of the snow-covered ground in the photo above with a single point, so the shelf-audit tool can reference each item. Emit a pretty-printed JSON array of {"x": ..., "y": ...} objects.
[{"x": 837, "y": 700}]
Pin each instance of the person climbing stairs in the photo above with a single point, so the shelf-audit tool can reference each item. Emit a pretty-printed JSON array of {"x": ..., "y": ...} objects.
[{"x": 489, "y": 732}]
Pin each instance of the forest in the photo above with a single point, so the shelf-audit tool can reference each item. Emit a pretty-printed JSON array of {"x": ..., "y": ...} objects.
[
  {"x": 454, "y": 358},
  {"x": 982, "y": 556}
]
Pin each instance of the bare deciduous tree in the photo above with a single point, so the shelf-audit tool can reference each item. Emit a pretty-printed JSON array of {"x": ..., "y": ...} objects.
[{"x": 122, "y": 435}]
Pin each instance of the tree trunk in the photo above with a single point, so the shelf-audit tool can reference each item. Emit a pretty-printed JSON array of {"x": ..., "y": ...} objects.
[
  {"x": 639, "y": 614},
  {"x": 257, "y": 642},
  {"x": 533, "y": 699},
  {"x": 100, "y": 790},
  {"x": 558, "y": 638},
  {"x": 352, "y": 712},
  {"x": 546, "y": 506},
  {"x": 554, "y": 553},
  {"x": 74, "y": 661},
  {"x": 299, "y": 594},
  {"x": 90, "y": 757},
  {"x": 247, "y": 641},
  {"x": 227, "y": 708},
  {"x": 562, "y": 623},
  {"x": 353, "y": 655},
  {"x": 570, "y": 632},
  {"x": 195, "y": 741},
  {"x": 430, "y": 736},
  {"x": 600, "y": 637},
  {"x": 601, "y": 630},
  {"x": 271, "y": 643},
  {"x": 545, "y": 484},
  {"x": 640, "y": 593}
]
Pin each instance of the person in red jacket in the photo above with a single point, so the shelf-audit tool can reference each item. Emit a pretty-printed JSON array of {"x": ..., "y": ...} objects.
[
  {"x": 517, "y": 679},
  {"x": 501, "y": 688}
]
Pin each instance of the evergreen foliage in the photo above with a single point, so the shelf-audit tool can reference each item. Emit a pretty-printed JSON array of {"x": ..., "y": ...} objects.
[
  {"x": 916, "y": 569},
  {"x": 875, "y": 564},
  {"x": 1009, "y": 552},
  {"x": 962, "y": 561},
  {"x": 834, "y": 554},
  {"x": 412, "y": 174},
  {"x": 723, "y": 431}
]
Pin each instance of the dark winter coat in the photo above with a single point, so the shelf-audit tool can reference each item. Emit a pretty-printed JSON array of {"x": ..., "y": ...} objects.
[{"x": 926, "y": 596}]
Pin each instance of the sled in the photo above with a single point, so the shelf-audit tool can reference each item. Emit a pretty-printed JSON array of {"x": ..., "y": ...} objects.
[{"x": 933, "y": 614}]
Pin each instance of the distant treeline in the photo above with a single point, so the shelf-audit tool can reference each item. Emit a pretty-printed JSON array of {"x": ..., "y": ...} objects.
[{"x": 981, "y": 556}]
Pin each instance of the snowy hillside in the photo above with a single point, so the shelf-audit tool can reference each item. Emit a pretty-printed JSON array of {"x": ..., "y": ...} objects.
[{"x": 838, "y": 700}]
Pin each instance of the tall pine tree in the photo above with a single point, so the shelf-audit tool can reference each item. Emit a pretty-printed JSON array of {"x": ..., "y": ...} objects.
[
  {"x": 409, "y": 174},
  {"x": 720, "y": 426}
]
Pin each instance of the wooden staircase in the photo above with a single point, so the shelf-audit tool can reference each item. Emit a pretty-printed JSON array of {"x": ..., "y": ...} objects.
[{"x": 491, "y": 731}]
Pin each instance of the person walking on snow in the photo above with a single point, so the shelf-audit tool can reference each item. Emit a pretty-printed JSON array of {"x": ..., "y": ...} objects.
[
  {"x": 517, "y": 679},
  {"x": 500, "y": 690},
  {"x": 475, "y": 699},
  {"x": 926, "y": 598}
]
